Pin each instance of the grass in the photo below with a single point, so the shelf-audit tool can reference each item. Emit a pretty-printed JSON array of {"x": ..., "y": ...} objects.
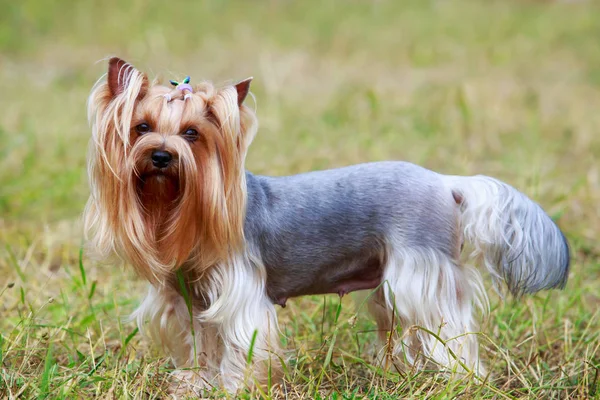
[{"x": 504, "y": 88}]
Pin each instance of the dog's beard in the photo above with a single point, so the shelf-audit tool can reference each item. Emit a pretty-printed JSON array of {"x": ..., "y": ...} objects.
[
  {"x": 163, "y": 205},
  {"x": 182, "y": 212},
  {"x": 158, "y": 195},
  {"x": 157, "y": 190}
]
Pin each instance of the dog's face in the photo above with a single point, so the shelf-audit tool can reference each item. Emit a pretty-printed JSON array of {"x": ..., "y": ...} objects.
[
  {"x": 176, "y": 147},
  {"x": 166, "y": 170}
]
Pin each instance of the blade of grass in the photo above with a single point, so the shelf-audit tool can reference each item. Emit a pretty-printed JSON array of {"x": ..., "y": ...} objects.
[
  {"x": 46, "y": 376},
  {"x": 81, "y": 268},
  {"x": 15, "y": 263},
  {"x": 188, "y": 302}
]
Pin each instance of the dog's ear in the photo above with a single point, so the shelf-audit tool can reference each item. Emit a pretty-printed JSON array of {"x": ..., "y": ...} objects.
[
  {"x": 120, "y": 74},
  {"x": 243, "y": 88}
]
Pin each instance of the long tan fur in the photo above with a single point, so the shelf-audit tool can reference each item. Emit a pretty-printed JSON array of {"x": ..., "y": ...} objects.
[{"x": 200, "y": 215}]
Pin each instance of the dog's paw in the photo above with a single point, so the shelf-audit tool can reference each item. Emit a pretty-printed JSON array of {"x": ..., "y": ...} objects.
[{"x": 190, "y": 384}]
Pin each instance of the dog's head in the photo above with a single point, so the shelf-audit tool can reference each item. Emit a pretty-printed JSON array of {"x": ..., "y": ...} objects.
[{"x": 166, "y": 170}]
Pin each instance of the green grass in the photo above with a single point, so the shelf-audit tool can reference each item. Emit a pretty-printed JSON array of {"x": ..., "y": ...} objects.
[{"x": 504, "y": 88}]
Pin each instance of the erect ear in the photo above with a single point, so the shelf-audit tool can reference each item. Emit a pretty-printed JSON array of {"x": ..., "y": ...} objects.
[
  {"x": 120, "y": 73},
  {"x": 242, "y": 90}
]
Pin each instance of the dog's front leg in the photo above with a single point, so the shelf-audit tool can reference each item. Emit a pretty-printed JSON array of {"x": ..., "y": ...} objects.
[
  {"x": 251, "y": 352},
  {"x": 193, "y": 345},
  {"x": 247, "y": 325},
  {"x": 200, "y": 373}
]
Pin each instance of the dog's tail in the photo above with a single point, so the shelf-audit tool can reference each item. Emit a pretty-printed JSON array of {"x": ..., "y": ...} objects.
[{"x": 518, "y": 242}]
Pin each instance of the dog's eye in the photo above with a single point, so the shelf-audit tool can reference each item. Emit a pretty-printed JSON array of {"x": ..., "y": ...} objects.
[
  {"x": 142, "y": 128},
  {"x": 190, "y": 134}
]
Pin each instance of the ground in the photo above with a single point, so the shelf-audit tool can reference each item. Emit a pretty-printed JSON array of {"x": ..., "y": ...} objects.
[{"x": 504, "y": 88}]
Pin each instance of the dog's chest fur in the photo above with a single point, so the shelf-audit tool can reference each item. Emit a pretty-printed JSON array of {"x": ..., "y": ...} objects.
[{"x": 328, "y": 231}]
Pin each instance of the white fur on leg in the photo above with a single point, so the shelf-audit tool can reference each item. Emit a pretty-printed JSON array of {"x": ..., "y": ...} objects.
[
  {"x": 430, "y": 291},
  {"x": 164, "y": 316},
  {"x": 216, "y": 354},
  {"x": 240, "y": 306}
]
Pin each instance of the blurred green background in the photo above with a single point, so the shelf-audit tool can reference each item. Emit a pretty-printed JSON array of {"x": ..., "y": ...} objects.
[{"x": 506, "y": 88}]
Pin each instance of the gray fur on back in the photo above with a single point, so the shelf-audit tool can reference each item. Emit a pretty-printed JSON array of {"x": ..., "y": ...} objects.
[{"x": 311, "y": 229}]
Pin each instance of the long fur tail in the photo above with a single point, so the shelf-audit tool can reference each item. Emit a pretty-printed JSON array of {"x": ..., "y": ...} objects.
[{"x": 515, "y": 238}]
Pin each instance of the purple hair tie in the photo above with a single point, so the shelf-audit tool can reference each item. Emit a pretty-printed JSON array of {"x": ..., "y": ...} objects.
[{"x": 185, "y": 85}]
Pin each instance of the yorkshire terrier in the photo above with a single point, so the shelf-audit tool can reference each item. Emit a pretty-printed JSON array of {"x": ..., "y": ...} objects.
[{"x": 221, "y": 247}]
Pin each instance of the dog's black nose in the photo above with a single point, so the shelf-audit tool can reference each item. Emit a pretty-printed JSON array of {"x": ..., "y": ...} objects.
[{"x": 160, "y": 159}]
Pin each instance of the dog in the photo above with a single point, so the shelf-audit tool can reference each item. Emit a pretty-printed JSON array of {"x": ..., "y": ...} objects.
[{"x": 221, "y": 247}]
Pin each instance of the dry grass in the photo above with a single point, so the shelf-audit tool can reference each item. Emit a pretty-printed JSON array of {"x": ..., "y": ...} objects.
[{"x": 503, "y": 88}]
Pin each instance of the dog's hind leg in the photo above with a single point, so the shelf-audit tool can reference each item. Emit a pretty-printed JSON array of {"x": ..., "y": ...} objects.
[
  {"x": 432, "y": 297},
  {"x": 387, "y": 324}
]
